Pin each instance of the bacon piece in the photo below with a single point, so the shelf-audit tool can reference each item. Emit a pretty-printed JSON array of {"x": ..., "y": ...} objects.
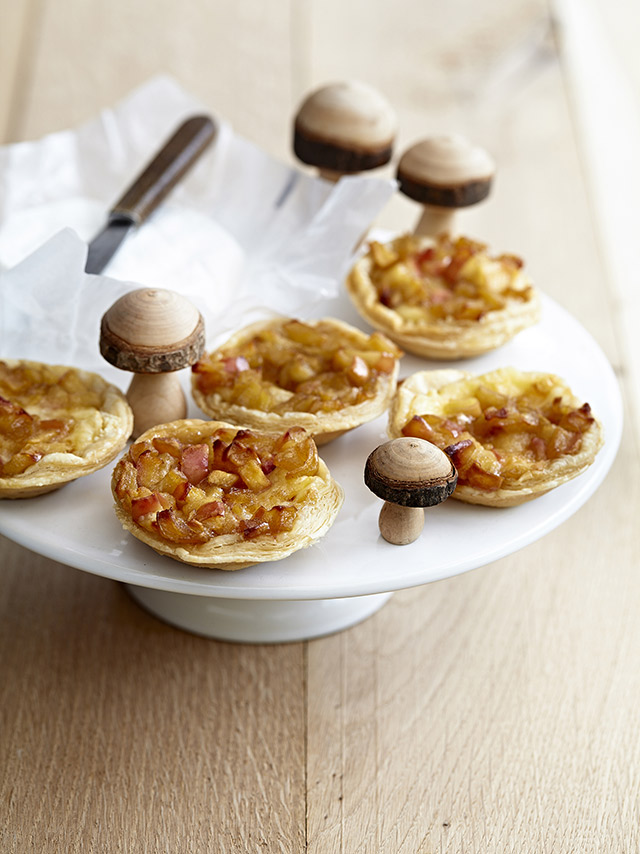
[
  {"x": 211, "y": 508},
  {"x": 235, "y": 364},
  {"x": 195, "y": 462},
  {"x": 147, "y": 504}
]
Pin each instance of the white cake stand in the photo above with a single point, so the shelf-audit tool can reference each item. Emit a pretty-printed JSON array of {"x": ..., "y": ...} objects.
[{"x": 351, "y": 572}]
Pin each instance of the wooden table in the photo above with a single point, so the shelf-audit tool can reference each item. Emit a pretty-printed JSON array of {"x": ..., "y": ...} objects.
[{"x": 496, "y": 711}]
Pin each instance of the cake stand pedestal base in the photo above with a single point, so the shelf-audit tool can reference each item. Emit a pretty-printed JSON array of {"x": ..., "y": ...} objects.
[{"x": 256, "y": 620}]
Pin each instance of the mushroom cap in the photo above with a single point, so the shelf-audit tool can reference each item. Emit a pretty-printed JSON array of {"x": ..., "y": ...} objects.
[
  {"x": 410, "y": 472},
  {"x": 152, "y": 330},
  {"x": 447, "y": 171},
  {"x": 346, "y": 126}
]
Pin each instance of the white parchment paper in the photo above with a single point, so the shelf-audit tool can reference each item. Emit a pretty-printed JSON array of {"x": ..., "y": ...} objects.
[{"x": 242, "y": 236}]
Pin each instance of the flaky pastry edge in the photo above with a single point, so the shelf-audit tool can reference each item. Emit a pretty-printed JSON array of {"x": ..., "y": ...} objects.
[{"x": 56, "y": 469}]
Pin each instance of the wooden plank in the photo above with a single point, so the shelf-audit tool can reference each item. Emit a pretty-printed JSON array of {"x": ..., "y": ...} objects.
[
  {"x": 19, "y": 27},
  {"x": 490, "y": 712},
  {"x": 235, "y": 57},
  {"x": 493, "y": 712},
  {"x": 120, "y": 733},
  {"x": 605, "y": 108},
  {"x": 489, "y": 707}
]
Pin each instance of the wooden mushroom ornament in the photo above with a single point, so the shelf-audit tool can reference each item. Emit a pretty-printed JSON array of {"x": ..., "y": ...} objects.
[
  {"x": 344, "y": 128},
  {"x": 153, "y": 333},
  {"x": 408, "y": 474},
  {"x": 444, "y": 173}
]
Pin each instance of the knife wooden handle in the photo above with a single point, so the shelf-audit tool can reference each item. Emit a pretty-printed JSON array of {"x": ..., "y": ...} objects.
[{"x": 173, "y": 160}]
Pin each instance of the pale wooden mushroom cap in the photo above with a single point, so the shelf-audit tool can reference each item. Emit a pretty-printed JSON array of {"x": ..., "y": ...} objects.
[
  {"x": 347, "y": 127},
  {"x": 151, "y": 330},
  {"x": 447, "y": 171},
  {"x": 410, "y": 472}
]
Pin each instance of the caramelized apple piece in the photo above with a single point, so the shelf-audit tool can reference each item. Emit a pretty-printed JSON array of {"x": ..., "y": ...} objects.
[
  {"x": 492, "y": 437},
  {"x": 235, "y": 482},
  {"x": 151, "y": 468},
  {"x": 296, "y": 367},
  {"x": 168, "y": 445},
  {"x": 443, "y": 281},
  {"x": 175, "y": 529}
]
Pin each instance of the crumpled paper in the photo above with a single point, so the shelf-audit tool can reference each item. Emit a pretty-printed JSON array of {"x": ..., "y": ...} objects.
[{"x": 243, "y": 236}]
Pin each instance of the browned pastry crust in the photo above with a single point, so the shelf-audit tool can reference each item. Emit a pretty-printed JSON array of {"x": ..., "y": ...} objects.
[
  {"x": 442, "y": 298},
  {"x": 199, "y": 492},
  {"x": 327, "y": 377},
  {"x": 57, "y": 423},
  {"x": 513, "y": 435}
]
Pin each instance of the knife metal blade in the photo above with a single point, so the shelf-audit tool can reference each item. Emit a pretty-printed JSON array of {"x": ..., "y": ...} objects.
[
  {"x": 105, "y": 244},
  {"x": 153, "y": 184}
]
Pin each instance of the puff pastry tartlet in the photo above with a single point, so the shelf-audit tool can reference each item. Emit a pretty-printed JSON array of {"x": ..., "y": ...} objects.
[
  {"x": 323, "y": 375},
  {"x": 57, "y": 423},
  {"x": 512, "y": 435},
  {"x": 210, "y": 494},
  {"x": 443, "y": 297}
]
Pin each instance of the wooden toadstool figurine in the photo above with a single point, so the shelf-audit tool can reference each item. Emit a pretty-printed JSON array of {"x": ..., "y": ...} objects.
[
  {"x": 344, "y": 128},
  {"x": 153, "y": 332},
  {"x": 409, "y": 474},
  {"x": 444, "y": 173}
]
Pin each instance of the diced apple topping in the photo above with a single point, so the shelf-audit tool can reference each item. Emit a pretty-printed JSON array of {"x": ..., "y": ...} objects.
[
  {"x": 37, "y": 406},
  {"x": 455, "y": 279},
  {"x": 232, "y": 482},
  {"x": 298, "y": 367},
  {"x": 493, "y": 438}
]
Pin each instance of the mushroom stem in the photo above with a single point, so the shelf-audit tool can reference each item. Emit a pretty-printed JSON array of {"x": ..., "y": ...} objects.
[
  {"x": 400, "y": 525},
  {"x": 329, "y": 175},
  {"x": 155, "y": 399},
  {"x": 435, "y": 221}
]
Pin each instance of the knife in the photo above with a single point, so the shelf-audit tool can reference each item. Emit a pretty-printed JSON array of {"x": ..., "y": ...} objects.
[{"x": 153, "y": 184}]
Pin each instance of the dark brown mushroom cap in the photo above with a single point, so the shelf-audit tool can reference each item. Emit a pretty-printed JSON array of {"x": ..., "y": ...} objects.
[
  {"x": 150, "y": 331},
  {"x": 345, "y": 127},
  {"x": 446, "y": 171},
  {"x": 410, "y": 472}
]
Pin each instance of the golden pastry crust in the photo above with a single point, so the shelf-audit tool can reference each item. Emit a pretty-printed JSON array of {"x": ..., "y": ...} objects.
[
  {"x": 443, "y": 298},
  {"x": 526, "y": 431},
  {"x": 198, "y": 506},
  {"x": 57, "y": 423},
  {"x": 326, "y": 376}
]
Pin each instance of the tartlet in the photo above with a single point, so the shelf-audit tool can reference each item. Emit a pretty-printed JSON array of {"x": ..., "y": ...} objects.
[
  {"x": 512, "y": 435},
  {"x": 443, "y": 297},
  {"x": 214, "y": 495},
  {"x": 57, "y": 423},
  {"x": 323, "y": 375}
]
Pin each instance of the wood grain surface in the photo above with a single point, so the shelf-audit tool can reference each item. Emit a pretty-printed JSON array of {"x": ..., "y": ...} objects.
[{"x": 492, "y": 713}]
